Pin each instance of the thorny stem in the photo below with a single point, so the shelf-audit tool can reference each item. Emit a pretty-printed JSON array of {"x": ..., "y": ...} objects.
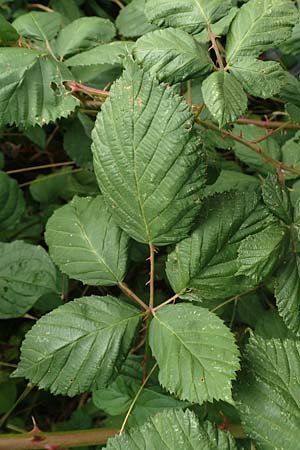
[
  {"x": 214, "y": 45},
  {"x": 268, "y": 123},
  {"x": 137, "y": 396},
  {"x": 127, "y": 291},
  {"x": 189, "y": 92},
  {"x": 253, "y": 146},
  {"x": 55, "y": 440},
  {"x": 170, "y": 300},
  {"x": 152, "y": 275}
]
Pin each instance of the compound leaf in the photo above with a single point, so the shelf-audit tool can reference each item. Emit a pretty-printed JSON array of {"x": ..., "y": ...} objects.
[
  {"x": 267, "y": 396},
  {"x": 172, "y": 55},
  {"x": 147, "y": 159},
  {"x": 86, "y": 244},
  {"x": 26, "y": 273},
  {"x": 83, "y": 34},
  {"x": 175, "y": 430},
  {"x": 20, "y": 100},
  {"x": 195, "y": 351},
  {"x": 190, "y": 15},
  {"x": 259, "y": 25},
  {"x": 259, "y": 78},
  {"x": 287, "y": 293},
  {"x": 78, "y": 345},
  {"x": 12, "y": 203},
  {"x": 224, "y": 96}
]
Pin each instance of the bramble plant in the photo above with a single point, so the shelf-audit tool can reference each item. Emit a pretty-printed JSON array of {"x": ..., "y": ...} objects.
[{"x": 160, "y": 261}]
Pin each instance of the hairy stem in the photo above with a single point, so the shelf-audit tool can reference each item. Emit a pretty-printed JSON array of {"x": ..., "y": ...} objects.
[
  {"x": 127, "y": 291},
  {"x": 40, "y": 440}
]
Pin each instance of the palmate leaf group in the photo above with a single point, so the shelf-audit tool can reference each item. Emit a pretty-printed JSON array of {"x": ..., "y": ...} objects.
[{"x": 180, "y": 196}]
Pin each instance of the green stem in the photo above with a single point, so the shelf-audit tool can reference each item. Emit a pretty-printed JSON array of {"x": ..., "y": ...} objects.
[
  {"x": 136, "y": 397},
  {"x": 40, "y": 440},
  {"x": 152, "y": 276},
  {"x": 24, "y": 394}
]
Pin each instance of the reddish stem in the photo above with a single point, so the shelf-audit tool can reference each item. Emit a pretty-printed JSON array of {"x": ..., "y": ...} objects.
[
  {"x": 78, "y": 87},
  {"x": 55, "y": 440}
]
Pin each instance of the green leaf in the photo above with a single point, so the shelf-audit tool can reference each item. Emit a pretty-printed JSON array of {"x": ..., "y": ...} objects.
[
  {"x": 259, "y": 78},
  {"x": 175, "y": 430},
  {"x": 219, "y": 28},
  {"x": 190, "y": 15},
  {"x": 8, "y": 393},
  {"x": 195, "y": 351},
  {"x": 118, "y": 396},
  {"x": 42, "y": 26},
  {"x": 271, "y": 325},
  {"x": 86, "y": 244},
  {"x": 207, "y": 262},
  {"x": 172, "y": 55},
  {"x": 26, "y": 273},
  {"x": 132, "y": 21},
  {"x": 259, "y": 254},
  {"x": 78, "y": 345},
  {"x": 259, "y": 25},
  {"x": 276, "y": 198},
  {"x": 287, "y": 293},
  {"x": 224, "y": 97},
  {"x": 268, "y": 394},
  {"x": 251, "y": 158},
  {"x": 111, "y": 54},
  {"x": 83, "y": 34},
  {"x": 290, "y": 92},
  {"x": 78, "y": 141},
  {"x": 147, "y": 159},
  {"x": 291, "y": 155},
  {"x": 37, "y": 135},
  {"x": 231, "y": 180},
  {"x": 48, "y": 188},
  {"x": 8, "y": 34},
  {"x": 68, "y": 8},
  {"x": 292, "y": 45},
  {"x": 12, "y": 205},
  {"x": 31, "y": 88}
]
